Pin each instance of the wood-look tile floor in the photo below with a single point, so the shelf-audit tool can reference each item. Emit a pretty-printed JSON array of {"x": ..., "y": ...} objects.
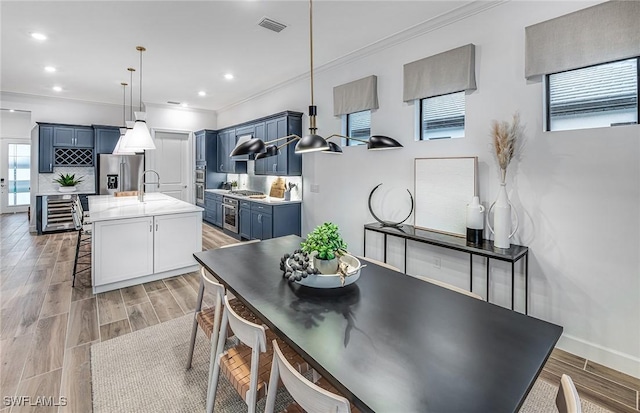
[{"x": 47, "y": 327}]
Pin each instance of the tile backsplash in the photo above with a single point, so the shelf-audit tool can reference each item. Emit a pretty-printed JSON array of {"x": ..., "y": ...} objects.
[
  {"x": 88, "y": 184},
  {"x": 263, "y": 183}
]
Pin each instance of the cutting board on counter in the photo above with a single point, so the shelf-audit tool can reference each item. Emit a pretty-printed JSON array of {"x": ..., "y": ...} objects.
[{"x": 277, "y": 188}]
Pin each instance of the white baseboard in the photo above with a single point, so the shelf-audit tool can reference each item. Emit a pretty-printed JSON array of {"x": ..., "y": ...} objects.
[{"x": 625, "y": 363}]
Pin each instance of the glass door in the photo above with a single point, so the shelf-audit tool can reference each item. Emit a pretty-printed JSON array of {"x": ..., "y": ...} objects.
[{"x": 15, "y": 176}]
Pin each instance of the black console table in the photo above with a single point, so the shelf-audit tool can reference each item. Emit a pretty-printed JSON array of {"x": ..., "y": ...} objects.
[{"x": 409, "y": 232}]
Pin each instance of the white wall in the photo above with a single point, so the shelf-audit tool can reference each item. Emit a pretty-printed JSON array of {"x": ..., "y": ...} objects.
[{"x": 576, "y": 192}]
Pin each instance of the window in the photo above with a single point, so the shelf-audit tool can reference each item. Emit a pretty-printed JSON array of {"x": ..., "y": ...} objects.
[
  {"x": 593, "y": 97},
  {"x": 442, "y": 117},
  {"x": 358, "y": 125}
]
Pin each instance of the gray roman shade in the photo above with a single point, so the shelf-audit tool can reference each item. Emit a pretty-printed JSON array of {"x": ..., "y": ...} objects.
[
  {"x": 603, "y": 33},
  {"x": 356, "y": 96},
  {"x": 448, "y": 72}
]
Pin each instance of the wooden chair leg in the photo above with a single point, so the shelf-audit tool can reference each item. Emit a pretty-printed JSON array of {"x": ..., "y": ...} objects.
[
  {"x": 214, "y": 363},
  {"x": 273, "y": 386}
]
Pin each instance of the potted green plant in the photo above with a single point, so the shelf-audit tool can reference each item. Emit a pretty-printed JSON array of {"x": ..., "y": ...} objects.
[
  {"x": 325, "y": 244},
  {"x": 67, "y": 182}
]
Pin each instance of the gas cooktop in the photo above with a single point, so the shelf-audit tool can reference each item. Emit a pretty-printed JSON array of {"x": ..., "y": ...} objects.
[{"x": 245, "y": 192}]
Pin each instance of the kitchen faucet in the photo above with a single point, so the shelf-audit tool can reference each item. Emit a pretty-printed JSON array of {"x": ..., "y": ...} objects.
[{"x": 142, "y": 183}]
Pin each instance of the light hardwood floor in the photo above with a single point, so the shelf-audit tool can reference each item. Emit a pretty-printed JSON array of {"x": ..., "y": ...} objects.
[{"x": 47, "y": 327}]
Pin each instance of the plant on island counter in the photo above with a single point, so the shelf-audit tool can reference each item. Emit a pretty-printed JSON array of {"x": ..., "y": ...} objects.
[
  {"x": 68, "y": 180},
  {"x": 326, "y": 240}
]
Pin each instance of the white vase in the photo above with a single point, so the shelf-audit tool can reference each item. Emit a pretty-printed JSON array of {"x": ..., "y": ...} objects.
[
  {"x": 67, "y": 189},
  {"x": 326, "y": 266},
  {"x": 475, "y": 222},
  {"x": 501, "y": 229}
]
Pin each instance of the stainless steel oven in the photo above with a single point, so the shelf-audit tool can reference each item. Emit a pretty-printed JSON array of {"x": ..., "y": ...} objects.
[
  {"x": 201, "y": 180},
  {"x": 230, "y": 214},
  {"x": 199, "y": 193},
  {"x": 201, "y": 174}
]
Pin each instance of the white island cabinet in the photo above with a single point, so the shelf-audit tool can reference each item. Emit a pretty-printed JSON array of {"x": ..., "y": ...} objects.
[{"x": 134, "y": 242}]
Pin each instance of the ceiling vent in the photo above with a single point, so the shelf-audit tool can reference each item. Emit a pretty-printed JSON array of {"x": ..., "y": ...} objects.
[
  {"x": 272, "y": 25},
  {"x": 171, "y": 102}
]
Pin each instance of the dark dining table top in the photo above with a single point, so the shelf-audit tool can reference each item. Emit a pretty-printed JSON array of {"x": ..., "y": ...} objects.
[{"x": 391, "y": 342}]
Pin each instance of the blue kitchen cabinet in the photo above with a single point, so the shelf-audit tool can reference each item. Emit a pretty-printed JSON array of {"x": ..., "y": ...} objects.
[
  {"x": 287, "y": 162},
  {"x": 270, "y": 221},
  {"x": 73, "y": 136},
  {"x": 245, "y": 219},
  {"x": 209, "y": 208},
  {"x": 201, "y": 144},
  {"x": 219, "y": 211},
  {"x": 106, "y": 139},
  {"x": 225, "y": 144},
  {"x": 261, "y": 225},
  {"x": 45, "y": 149}
]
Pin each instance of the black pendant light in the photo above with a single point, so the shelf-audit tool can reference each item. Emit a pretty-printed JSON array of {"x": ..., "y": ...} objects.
[{"x": 312, "y": 142}]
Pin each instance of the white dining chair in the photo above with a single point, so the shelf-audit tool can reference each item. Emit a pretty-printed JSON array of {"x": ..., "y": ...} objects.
[
  {"x": 245, "y": 358},
  {"x": 567, "y": 399},
  {"x": 448, "y": 286},
  {"x": 309, "y": 396}
]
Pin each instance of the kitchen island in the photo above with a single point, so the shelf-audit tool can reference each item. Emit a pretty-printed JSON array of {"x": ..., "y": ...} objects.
[{"x": 137, "y": 242}]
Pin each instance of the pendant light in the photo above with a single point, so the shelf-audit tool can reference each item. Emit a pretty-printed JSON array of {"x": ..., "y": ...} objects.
[
  {"x": 140, "y": 139},
  {"x": 120, "y": 146},
  {"x": 311, "y": 142}
]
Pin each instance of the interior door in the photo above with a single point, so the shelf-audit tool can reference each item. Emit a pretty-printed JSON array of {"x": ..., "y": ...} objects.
[
  {"x": 173, "y": 162},
  {"x": 15, "y": 175}
]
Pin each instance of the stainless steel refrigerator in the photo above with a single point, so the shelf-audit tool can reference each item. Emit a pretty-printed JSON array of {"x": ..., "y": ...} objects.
[{"x": 118, "y": 173}]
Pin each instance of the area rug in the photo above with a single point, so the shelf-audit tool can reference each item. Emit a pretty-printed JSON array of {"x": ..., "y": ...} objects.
[{"x": 144, "y": 372}]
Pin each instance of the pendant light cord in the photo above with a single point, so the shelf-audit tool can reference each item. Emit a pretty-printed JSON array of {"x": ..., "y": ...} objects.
[
  {"x": 131, "y": 70},
  {"x": 311, "y": 45},
  {"x": 140, "y": 49},
  {"x": 124, "y": 103}
]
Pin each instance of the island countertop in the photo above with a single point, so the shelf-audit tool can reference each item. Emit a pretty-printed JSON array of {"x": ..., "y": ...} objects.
[{"x": 109, "y": 207}]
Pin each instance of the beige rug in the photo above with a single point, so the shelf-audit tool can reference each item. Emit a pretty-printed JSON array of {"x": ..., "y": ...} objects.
[{"x": 144, "y": 372}]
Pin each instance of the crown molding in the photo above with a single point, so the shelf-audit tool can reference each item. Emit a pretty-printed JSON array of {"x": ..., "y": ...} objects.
[
  {"x": 435, "y": 23},
  {"x": 52, "y": 98},
  {"x": 18, "y": 95}
]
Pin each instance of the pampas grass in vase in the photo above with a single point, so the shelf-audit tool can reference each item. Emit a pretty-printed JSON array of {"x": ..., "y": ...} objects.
[{"x": 506, "y": 137}]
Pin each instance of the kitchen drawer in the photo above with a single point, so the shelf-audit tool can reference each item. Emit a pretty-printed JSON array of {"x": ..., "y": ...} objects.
[
  {"x": 217, "y": 197},
  {"x": 245, "y": 204},
  {"x": 266, "y": 209},
  {"x": 209, "y": 195}
]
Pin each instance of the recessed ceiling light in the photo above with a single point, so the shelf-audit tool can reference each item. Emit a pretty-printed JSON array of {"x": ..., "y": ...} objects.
[
  {"x": 184, "y": 105},
  {"x": 38, "y": 36},
  {"x": 202, "y": 93},
  {"x": 57, "y": 89},
  {"x": 228, "y": 76},
  {"x": 50, "y": 69},
  {"x": 11, "y": 110}
]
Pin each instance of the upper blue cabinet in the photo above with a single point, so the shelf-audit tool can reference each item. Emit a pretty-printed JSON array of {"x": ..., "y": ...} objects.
[
  {"x": 73, "y": 136},
  {"x": 269, "y": 128}
]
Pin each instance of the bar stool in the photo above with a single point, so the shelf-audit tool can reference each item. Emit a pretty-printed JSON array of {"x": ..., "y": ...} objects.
[{"x": 82, "y": 224}]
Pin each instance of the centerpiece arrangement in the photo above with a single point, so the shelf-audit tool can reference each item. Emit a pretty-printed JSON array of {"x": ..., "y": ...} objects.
[
  {"x": 506, "y": 139},
  {"x": 322, "y": 261},
  {"x": 67, "y": 182}
]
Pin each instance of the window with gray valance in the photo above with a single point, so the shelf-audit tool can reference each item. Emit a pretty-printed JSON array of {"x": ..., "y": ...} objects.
[
  {"x": 356, "y": 96},
  {"x": 603, "y": 33},
  {"x": 447, "y": 72}
]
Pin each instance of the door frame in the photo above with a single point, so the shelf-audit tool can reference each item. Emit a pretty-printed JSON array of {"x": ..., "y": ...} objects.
[
  {"x": 4, "y": 166},
  {"x": 190, "y": 164}
]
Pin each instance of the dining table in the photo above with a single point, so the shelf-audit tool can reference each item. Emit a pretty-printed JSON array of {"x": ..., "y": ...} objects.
[{"x": 391, "y": 342}]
